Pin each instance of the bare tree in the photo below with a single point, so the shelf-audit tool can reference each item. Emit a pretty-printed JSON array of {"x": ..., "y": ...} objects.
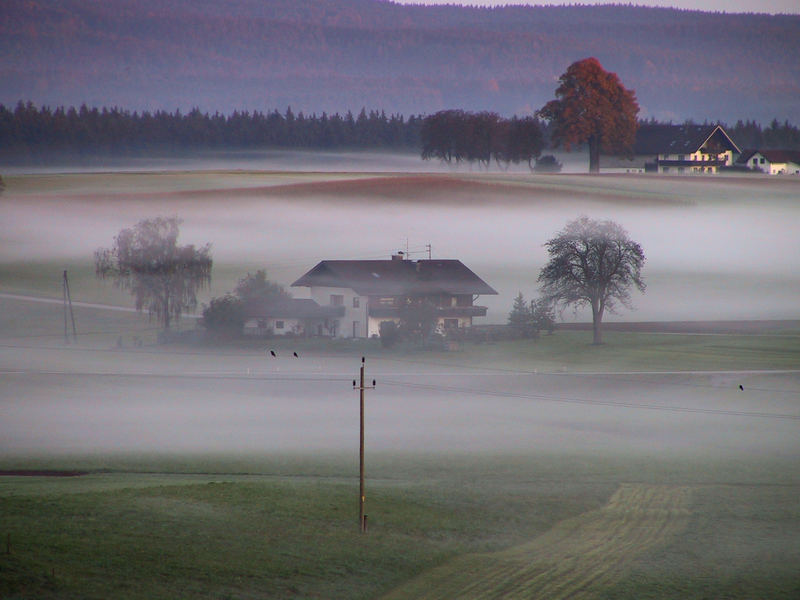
[
  {"x": 163, "y": 278},
  {"x": 592, "y": 263}
]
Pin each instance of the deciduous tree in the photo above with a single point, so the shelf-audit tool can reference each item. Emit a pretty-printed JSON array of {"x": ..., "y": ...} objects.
[
  {"x": 224, "y": 316},
  {"x": 162, "y": 276},
  {"x": 592, "y": 263},
  {"x": 255, "y": 287},
  {"x": 593, "y": 107}
]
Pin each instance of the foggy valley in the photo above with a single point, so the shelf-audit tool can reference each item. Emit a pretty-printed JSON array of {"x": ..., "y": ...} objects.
[
  {"x": 417, "y": 420},
  {"x": 716, "y": 249},
  {"x": 721, "y": 249}
]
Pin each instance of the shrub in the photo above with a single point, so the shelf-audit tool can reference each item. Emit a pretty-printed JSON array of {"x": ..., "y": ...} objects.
[
  {"x": 547, "y": 164},
  {"x": 390, "y": 333}
]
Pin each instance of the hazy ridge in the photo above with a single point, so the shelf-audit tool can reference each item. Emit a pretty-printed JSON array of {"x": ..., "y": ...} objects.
[{"x": 335, "y": 55}]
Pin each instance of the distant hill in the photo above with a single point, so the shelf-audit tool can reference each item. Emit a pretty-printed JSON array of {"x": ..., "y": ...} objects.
[{"x": 335, "y": 55}]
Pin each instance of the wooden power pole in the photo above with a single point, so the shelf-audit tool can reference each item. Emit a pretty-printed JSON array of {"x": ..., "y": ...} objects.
[
  {"x": 68, "y": 309},
  {"x": 362, "y": 517}
]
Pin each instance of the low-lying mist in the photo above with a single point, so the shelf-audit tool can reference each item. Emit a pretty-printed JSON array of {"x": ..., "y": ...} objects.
[
  {"x": 76, "y": 401},
  {"x": 716, "y": 247}
]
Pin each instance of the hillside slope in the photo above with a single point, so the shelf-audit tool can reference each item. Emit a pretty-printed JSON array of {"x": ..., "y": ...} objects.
[{"x": 334, "y": 55}]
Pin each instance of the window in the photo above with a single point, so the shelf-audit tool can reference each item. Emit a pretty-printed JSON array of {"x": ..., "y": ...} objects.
[
  {"x": 451, "y": 323},
  {"x": 278, "y": 324},
  {"x": 356, "y": 302},
  {"x": 356, "y": 329},
  {"x": 680, "y": 156},
  {"x": 337, "y": 300},
  {"x": 763, "y": 160}
]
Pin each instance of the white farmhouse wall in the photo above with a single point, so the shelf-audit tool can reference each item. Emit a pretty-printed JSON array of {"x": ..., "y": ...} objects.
[
  {"x": 355, "y": 317},
  {"x": 759, "y": 161},
  {"x": 787, "y": 168}
]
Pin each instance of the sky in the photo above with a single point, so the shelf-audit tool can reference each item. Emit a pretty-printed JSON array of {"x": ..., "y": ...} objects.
[{"x": 763, "y": 6}]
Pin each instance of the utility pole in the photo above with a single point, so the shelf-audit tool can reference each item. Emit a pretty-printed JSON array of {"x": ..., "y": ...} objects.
[
  {"x": 362, "y": 518},
  {"x": 68, "y": 306}
]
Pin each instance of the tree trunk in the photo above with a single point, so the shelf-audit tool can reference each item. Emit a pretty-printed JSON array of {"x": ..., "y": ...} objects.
[
  {"x": 597, "y": 319},
  {"x": 594, "y": 154},
  {"x": 597, "y": 336},
  {"x": 165, "y": 308}
]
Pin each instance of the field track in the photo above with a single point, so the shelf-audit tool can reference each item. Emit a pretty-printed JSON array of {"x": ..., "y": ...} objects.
[
  {"x": 413, "y": 189},
  {"x": 569, "y": 561}
]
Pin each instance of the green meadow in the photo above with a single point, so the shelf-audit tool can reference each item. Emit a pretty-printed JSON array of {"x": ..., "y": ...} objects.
[{"x": 439, "y": 527}]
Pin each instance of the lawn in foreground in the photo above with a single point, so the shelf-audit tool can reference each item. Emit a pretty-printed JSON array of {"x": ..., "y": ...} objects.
[
  {"x": 234, "y": 536},
  {"x": 701, "y": 529}
]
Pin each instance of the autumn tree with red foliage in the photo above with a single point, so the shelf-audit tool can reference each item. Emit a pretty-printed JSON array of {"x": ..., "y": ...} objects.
[{"x": 593, "y": 107}]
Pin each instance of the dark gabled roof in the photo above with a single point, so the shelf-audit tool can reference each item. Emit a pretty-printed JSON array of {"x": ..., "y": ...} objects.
[
  {"x": 781, "y": 156},
  {"x": 293, "y": 308},
  {"x": 745, "y": 156},
  {"x": 396, "y": 277},
  {"x": 678, "y": 139}
]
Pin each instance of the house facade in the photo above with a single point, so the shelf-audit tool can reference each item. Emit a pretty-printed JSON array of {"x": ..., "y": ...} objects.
[
  {"x": 294, "y": 316},
  {"x": 676, "y": 149},
  {"x": 368, "y": 292},
  {"x": 772, "y": 162}
]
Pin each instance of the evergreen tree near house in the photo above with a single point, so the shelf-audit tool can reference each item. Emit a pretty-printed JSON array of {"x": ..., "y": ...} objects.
[{"x": 519, "y": 319}]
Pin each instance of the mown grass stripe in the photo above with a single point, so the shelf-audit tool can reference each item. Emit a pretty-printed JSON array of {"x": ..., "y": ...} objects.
[{"x": 568, "y": 561}]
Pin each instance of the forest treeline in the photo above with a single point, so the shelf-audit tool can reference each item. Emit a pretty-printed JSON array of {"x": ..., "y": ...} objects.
[
  {"x": 30, "y": 134},
  {"x": 335, "y": 55}
]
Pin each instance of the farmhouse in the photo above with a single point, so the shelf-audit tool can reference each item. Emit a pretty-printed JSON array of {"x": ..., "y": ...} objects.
[
  {"x": 367, "y": 292},
  {"x": 676, "y": 149},
  {"x": 772, "y": 162},
  {"x": 295, "y": 316}
]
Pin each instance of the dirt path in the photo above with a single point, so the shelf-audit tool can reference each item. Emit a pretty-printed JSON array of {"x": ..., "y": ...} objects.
[{"x": 570, "y": 560}]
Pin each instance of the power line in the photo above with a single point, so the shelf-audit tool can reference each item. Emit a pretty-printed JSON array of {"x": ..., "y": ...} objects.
[
  {"x": 584, "y": 401},
  {"x": 423, "y": 386},
  {"x": 620, "y": 376}
]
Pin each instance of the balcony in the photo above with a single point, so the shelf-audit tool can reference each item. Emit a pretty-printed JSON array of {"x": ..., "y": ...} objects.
[
  {"x": 385, "y": 311},
  {"x": 691, "y": 163}
]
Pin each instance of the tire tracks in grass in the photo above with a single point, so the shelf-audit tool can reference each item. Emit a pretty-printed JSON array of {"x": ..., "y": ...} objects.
[{"x": 569, "y": 561}]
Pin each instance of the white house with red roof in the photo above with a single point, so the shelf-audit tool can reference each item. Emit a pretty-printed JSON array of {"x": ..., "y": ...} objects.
[{"x": 772, "y": 162}]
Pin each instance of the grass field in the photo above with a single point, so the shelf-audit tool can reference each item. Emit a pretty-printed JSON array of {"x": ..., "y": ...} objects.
[{"x": 502, "y": 527}]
